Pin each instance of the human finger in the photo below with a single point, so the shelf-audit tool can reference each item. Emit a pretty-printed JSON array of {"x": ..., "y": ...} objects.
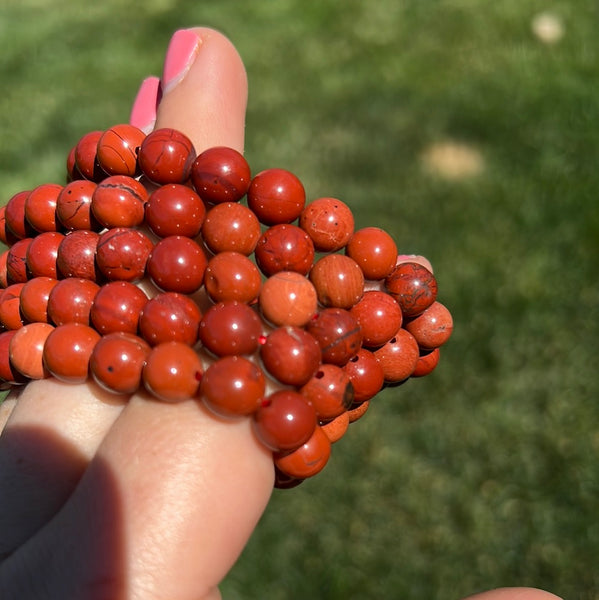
[
  {"x": 182, "y": 488},
  {"x": 514, "y": 593}
]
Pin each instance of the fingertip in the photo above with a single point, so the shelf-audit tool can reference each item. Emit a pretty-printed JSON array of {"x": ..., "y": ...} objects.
[
  {"x": 143, "y": 112},
  {"x": 514, "y": 593},
  {"x": 204, "y": 86}
]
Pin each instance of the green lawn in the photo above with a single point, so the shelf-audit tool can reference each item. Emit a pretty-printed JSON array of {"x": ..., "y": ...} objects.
[{"x": 484, "y": 473}]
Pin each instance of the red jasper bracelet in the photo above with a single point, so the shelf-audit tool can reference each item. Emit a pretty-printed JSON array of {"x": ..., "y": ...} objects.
[{"x": 184, "y": 275}]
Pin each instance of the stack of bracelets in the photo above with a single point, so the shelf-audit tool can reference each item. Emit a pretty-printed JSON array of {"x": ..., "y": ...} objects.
[{"x": 183, "y": 275}]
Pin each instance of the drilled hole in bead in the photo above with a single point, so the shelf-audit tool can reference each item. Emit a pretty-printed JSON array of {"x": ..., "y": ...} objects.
[{"x": 319, "y": 375}]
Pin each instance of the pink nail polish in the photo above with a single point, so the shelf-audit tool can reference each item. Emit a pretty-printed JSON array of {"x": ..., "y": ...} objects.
[
  {"x": 143, "y": 112},
  {"x": 181, "y": 53}
]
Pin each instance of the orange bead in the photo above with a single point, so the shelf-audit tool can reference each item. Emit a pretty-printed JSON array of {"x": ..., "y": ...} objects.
[
  {"x": 26, "y": 350},
  {"x": 67, "y": 351},
  {"x": 231, "y": 227},
  {"x": 398, "y": 357},
  {"x": 309, "y": 459},
  {"x": 336, "y": 428},
  {"x": 10, "y": 311},
  {"x": 358, "y": 411},
  {"x": 329, "y": 222},
  {"x": 173, "y": 372},
  {"x": 374, "y": 250},
  {"x": 338, "y": 280},
  {"x": 232, "y": 276},
  {"x": 288, "y": 298},
  {"x": 34, "y": 299},
  {"x": 330, "y": 392},
  {"x": 433, "y": 327},
  {"x": 427, "y": 363}
]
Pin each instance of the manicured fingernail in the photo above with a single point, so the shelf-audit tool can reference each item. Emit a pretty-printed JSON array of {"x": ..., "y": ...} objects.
[
  {"x": 182, "y": 51},
  {"x": 143, "y": 112}
]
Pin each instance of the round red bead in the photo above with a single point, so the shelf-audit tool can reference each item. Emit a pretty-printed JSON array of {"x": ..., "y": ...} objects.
[
  {"x": 34, "y": 299},
  {"x": 330, "y": 392},
  {"x": 230, "y": 328},
  {"x": 173, "y": 372},
  {"x": 3, "y": 272},
  {"x": 10, "y": 309},
  {"x": 285, "y": 420},
  {"x": 338, "y": 334},
  {"x": 338, "y": 281},
  {"x": 86, "y": 159},
  {"x": 413, "y": 286},
  {"x": 233, "y": 386},
  {"x": 67, "y": 351},
  {"x": 329, "y": 223},
  {"x": 16, "y": 225},
  {"x": 170, "y": 317},
  {"x": 166, "y": 156},
  {"x": 307, "y": 460},
  {"x": 221, "y": 174},
  {"x": 177, "y": 264},
  {"x": 76, "y": 255},
  {"x": 291, "y": 355},
  {"x": 175, "y": 209},
  {"x": 8, "y": 374},
  {"x": 122, "y": 253},
  {"x": 73, "y": 205},
  {"x": 276, "y": 196},
  {"x": 379, "y": 317},
  {"x": 366, "y": 375},
  {"x": 288, "y": 298},
  {"x": 119, "y": 201},
  {"x": 71, "y": 299},
  {"x": 284, "y": 248},
  {"x": 26, "y": 350},
  {"x": 42, "y": 254},
  {"x": 118, "y": 148},
  {"x": 374, "y": 250},
  {"x": 40, "y": 207},
  {"x": 3, "y": 238},
  {"x": 231, "y": 227},
  {"x": 232, "y": 276},
  {"x": 398, "y": 357},
  {"x": 428, "y": 361},
  {"x": 16, "y": 261},
  {"x": 433, "y": 327},
  {"x": 117, "y": 306},
  {"x": 117, "y": 361}
]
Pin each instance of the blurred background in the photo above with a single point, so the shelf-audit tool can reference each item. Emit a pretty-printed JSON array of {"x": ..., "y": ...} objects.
[{"x": 470, "y": 131}]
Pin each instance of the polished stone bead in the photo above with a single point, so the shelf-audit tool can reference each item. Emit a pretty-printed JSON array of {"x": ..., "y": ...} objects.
[
  {"x": 231, "y": 227},
  {"x": 221, "y": 174},
  {"x": 288, "y": 298},
  {"x": 374, "y": 250},
  {"x": 291, "y": 355},
  {"x": 338, "y": 280},
  {"x": 232, "y": 276},
  {"x": 67, "y": 351},
  {"x": 329, "y": 223},
  {"x": 379, "y": 317}
]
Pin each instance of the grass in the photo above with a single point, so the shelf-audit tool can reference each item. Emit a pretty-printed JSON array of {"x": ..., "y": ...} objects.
[{"x": 484, "y": 473}]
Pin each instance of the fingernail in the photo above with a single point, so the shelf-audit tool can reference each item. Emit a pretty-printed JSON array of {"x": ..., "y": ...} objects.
[
  {"x": 143, "y": 112},
  {"x": 182, "y": 51}
]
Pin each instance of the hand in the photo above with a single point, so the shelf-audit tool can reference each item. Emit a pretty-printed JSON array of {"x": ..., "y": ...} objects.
[
  {"x": 105, "y": 497},
  {"x": 109, "y": 499}
]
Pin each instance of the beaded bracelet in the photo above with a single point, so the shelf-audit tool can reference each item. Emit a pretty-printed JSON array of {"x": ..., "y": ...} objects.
[{"x": 184, "y": 275}]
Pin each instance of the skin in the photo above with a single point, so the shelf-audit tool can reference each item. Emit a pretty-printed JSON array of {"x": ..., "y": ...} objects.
[{"x": 109, "y": 497}]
